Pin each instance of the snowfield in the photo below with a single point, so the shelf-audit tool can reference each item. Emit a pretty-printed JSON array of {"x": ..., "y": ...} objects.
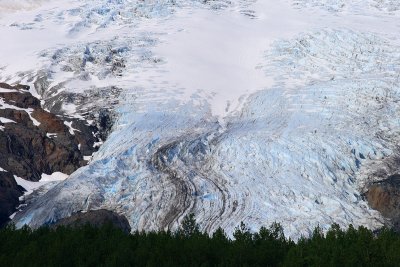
[
  {"x": 243, "y": 110},
  {"x": 7, "y": 6}
]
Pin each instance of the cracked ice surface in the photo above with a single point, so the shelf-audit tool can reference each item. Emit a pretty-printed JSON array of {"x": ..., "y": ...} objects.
[{"x": 234, "y": 110}]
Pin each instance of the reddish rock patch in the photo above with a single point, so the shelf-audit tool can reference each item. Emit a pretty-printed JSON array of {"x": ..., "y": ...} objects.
[{"x": 384, "y": 196}]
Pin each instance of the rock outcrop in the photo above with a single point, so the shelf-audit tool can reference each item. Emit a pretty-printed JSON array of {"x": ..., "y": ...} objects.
[
  {"x": 34, "y": 141},
  {"x": 9, "y": 195},
  {"x": 384, "y": 196},
  {"x": 95, "y": 218}
]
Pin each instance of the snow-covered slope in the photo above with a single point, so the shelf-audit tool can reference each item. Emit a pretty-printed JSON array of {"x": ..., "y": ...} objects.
[
  {"x": 254, "y": 111},
  {"x": 8, "y": 6}
]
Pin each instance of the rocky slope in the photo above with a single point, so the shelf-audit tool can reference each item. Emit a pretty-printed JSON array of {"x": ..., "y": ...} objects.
[
  {"x": 34, "y": 141},
  {"x": 95, "y": 218},
  {"x": 384, "y": 196}
]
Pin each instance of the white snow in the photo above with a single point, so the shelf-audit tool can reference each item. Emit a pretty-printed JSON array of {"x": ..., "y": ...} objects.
[
  {"x": 30, "y": 186},
  {"x": 27, "y": 185},
  {"x": 5, "y": 120},
  {"x": 12, "y": 215},
  {"x": 51, "y": 135},
  {"x": 87, "y": 158},
  {"x": 70, "y": 128},
  {"x": 97, "y": 144},
  {"x": 34, "y": 121},
  {"x": 7, "y": 6},
  {"x": 3, "y": 90},
  {"x": 55, "y": 176},
  {"x": 46, "y": 180}
]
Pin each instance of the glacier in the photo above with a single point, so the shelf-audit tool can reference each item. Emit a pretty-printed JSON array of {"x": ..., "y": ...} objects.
[{"x": 254, "y": 111}]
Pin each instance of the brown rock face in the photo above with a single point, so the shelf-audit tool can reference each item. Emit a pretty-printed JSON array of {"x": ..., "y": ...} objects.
[
  {"x": 96, "y": 218},
  {"x": 28, "y": 149},
  {"x": 384, "y": 196}
]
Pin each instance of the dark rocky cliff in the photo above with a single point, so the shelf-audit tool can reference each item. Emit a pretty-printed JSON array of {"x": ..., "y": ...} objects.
[
  {"x": 95, "y": 218},
  {"x": 384, "y": 196}
]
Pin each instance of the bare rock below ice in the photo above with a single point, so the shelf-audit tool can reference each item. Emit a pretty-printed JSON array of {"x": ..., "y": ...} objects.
[
  {"x": 95, "y": 218},
  {"x": 384, "y": 196}
]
